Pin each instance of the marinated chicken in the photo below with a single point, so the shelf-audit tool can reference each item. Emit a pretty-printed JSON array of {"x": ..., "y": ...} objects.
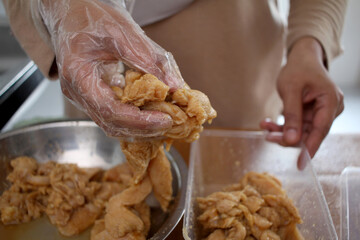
[
  {"x": 161, "y": 179},
  {"x": 141, "y": 88},
  {"x": 75, "y": 198},
  {"x": 27, "y": 197},
  {"x": 71, "y": 189},
  {"x": 189, "y": 109},
  {"x": 127, "y": 215},
  {"x": 255, "y": 208},
  {"x": 138, "y": 155},
  {"x": 72, "y": 197}
]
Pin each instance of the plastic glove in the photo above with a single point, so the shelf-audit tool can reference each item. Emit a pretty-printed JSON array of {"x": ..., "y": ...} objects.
[
  {"x": 88, "y": 34},
  {"x": 311, "y": 100}
]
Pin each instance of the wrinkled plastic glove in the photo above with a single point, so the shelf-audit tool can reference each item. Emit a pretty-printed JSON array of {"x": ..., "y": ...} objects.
[{"x": 88, "y": 34}]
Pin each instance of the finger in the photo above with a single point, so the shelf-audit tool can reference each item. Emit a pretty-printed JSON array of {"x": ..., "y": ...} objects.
[
  {"x": 103, "y": 101},
  {"x": 322, "y": 120},
  {"x": 302, "y": 159},
  {"x": 314, "y": 140},
  {"x": 113, "y": 116},
  {"x": 276, "y": 137},
  {"x": 275, "y": 134},
  {"x": 138, "y": 51},
  {"x": 292, "y": 99},
  {"x": 341, "y": 106},
  {"x": 169, "y": 71},
  {"x": 268, "y": 125}
]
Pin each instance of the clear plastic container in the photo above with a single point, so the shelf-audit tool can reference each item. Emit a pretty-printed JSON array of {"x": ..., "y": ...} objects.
[
  {"x": 221, "y": 157},
  {"x": 350, "y": 204}
]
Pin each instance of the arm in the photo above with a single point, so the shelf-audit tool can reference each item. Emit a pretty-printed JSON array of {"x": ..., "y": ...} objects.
[
  {"x": 311, "y": 100},
  {"x": 103, "y": 30},
  {"x": 320, "y": 19},
  {"x": 31, "y": 34},
  {"x": 86, "y": 35}
]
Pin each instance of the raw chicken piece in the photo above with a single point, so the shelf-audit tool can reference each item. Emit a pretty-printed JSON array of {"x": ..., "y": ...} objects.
[
  {"x": 22, "y": 168},
  {"x": 144, "y": 211},
  {"x": 72, "y": 197},
  {"x": 17, "y": 207},
  {"x": 272, "y": 215},
  {"x": 256, "y": 208},
  {"x": 107, "y": 190},
  {"x": 196, "y": 103},
  {"x": 120, "y": 173},
  {"x": 71, "y": 189},
  {"x": 25, "y": 171},
  {"x": 161, "y": 179},
  {"x": 134, "y": 194},
  {"x": 261, "y": 222},
  {"x": 208, "y": 216},
  {"x": 285, "y": 207},
  {"x": 263, "y": 183},
  {"x": 184, "y": 127},
  {"x": 24, "y": 201},
  {"x": 176, "y": 113},
  {"x": 120, "y": 221},
  {"x": 188, "y": 108},
  {"x": 218, "y": 234},
  {"x": 99, "y": 226},
  {"x": 232, "y": 229},
  {"x": 58, "y": 209},
  {"x": 270, "y": 235},
  {"x": 253, "y": 203},
  {"x": 220, "y": 199},
  {"x": 237, "y": 231},
  {"x": 138, "y": 155},
  {"x": 98, "y": 232},
  {"x": 126, "y": 214},
  {"x": 140, "y": 89},
  {"x": 44, "y": 169},
  {"x": 81, "y": 219},
  {"x": 290, "y": 232},
  {"x": 102, "y": 235}
]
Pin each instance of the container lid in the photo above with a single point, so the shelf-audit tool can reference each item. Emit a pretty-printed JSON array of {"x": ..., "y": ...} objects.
[{"x": 350, "y": 203}]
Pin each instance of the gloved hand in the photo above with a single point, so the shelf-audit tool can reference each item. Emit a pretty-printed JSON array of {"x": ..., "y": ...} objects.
[
  {"x": 88, "y": 34},
  {"x": 311, "y": 100}
]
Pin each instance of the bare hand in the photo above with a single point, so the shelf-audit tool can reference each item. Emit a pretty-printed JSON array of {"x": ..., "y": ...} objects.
[{"x": 311, "y": 100}]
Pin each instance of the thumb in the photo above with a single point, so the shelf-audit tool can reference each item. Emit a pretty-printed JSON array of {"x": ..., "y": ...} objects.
[{"x": 292, "y": 100}]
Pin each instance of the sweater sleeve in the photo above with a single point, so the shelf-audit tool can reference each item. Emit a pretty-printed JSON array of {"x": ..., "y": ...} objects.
[
  {"x": 321, "y": 19},
  {"x": 31, "y": 33}
]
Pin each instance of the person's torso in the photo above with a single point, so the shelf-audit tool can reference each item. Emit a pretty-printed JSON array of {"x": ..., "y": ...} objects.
[
  {"x": 149, "y": 11},
  {"x": 231, "y": 50}
]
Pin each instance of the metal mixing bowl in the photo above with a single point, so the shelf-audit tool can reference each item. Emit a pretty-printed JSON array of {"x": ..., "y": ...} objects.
[{"x": 83, "y": 143}]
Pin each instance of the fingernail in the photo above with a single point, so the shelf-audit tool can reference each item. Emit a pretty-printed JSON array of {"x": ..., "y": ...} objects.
[
  {"x": 291, "y": 135},
  {"x": 302, "y": 160}
]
